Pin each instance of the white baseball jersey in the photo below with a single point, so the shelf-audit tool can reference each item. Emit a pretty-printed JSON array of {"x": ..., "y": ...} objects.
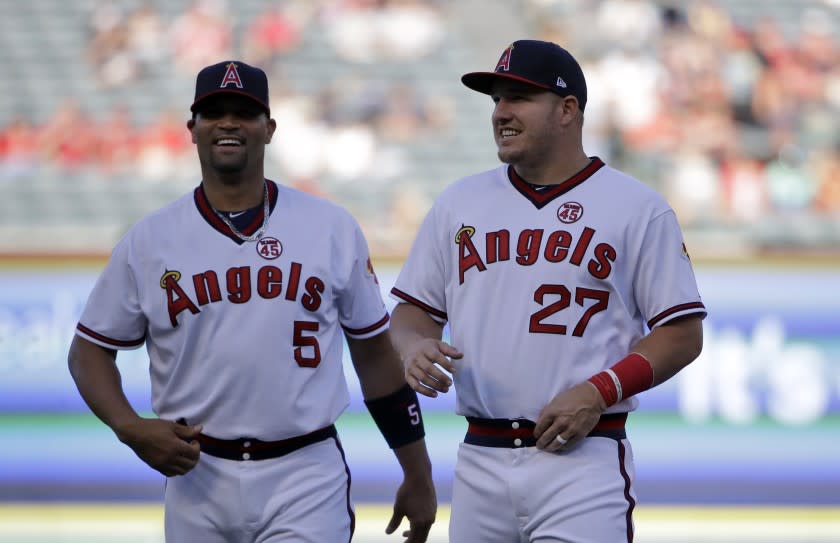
[
  {"x": 243, "y": 337},
  {"x": 544, "y": 288}
]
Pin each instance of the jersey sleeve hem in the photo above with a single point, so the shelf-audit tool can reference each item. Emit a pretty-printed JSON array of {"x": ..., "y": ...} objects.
[
  {"x": 106, "y": 341},
  {"x": 436, "y": 314},
  {"x": 677, "y": 311},
  {"x": 368, "y": 331}
]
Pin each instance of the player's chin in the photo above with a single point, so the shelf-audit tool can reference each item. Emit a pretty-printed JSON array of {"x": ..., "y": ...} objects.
[
  {"x": 230, "y": 164},
  {"x": 507, "y": 153}
]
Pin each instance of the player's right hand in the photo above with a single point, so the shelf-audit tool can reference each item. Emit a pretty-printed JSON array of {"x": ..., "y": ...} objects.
[
  {"x": 417, "y": 501},
  {"x": 423, "y": 362},
  {"x": 168, "y": 447}
]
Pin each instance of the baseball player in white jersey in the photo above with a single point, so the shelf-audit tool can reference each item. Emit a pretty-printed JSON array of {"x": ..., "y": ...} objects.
[
  {"x": 568, "y": 290},
  {"x": 243, "y": 292}
]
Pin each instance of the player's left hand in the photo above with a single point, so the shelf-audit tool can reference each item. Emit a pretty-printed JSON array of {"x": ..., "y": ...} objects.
[
  {"x": 571, "y": 415},
  {"x": 423, "y": 363},
  {"x": 415, "y": 500}
]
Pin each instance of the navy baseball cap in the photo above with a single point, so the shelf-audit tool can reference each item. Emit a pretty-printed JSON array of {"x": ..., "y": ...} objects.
[
  {"x": 234, "y": 77},
  {"x": 540, "y": 63}
]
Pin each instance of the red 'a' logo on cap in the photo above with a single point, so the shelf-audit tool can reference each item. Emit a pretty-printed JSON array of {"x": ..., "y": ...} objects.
[
  {"x": 231, "y": 77},
  {"x": 504, "y": 60}
]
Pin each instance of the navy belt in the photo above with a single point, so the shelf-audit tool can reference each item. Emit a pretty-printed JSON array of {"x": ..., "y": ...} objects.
[
  {"x": 513, "y": 433},
  {"x": 246, "y": 448}
]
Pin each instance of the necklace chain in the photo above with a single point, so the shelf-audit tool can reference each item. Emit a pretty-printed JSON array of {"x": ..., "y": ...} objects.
[{"x": 256, "y": 235}]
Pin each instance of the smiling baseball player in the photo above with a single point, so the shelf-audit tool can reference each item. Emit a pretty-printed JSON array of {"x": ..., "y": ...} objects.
[
  {"x": 243, "y": 292},
  {"x": 568, "y": 291}
]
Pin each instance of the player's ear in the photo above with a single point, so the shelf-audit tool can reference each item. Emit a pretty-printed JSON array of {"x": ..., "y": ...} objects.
[
  {"x": 570, "y": 109},
  {"x": 190, "y": 126},
  {"x": 571, "y": 105},
  {"x": 270, "y": 128}
]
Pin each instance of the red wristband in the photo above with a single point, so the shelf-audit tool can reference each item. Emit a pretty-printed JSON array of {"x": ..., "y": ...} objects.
[{"x": 627, "y": 377}]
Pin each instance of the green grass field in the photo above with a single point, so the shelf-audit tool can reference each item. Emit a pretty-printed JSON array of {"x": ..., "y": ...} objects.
[{"x": 100, "y": 523}]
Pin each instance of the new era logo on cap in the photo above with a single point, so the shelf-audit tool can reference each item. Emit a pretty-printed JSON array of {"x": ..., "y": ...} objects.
[
  {"x": 232, "y": 76},
  {"x": 540, "y": 63}
]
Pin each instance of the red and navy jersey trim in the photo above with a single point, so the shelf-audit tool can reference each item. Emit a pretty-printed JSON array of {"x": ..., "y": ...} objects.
[
  {"x": 116, "y": 343},
  {"x": 206, "y": 211},
  {"x": 697, "y": 307},
  {"x": 541, "y": 198},
  {"x": 367, "y": 329},
  {"x": 414, "y": 301}
]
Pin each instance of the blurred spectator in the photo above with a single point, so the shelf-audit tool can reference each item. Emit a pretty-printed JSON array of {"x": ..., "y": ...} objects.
[
  {"x": 708, "y": 127},
  {"x": 108, "y": 49},
  {"x": 165, "y": 148},
  {"x": 708, "y": 107},
  {"x": 146, "y": 36},
  {"x": 744, "y": 188},
  {"x": 350, "y": 29},
  {"x": 773, "y": 107},
  {"x": 409, "y": 29},
  {"x": 349, "y": 151},
  {"x": 826, "y": 167},
  {"x": 740, "y": 68},
  {"x": 202, "y": 35},
  {"x": 633, "y": 82},
  {"x": 18, "y": 149},
  {"x": 633, "y": 23},
  {"x": 405, "y": 214},
  {"x": 404, "y": 117},
  {"x": 816, "y": 41},
  {"x": 693, "y": 187},
  {"x": 769, "y": 40},
  {"x": 709, "y": 20},
  {"x": 297, "y": 149},
  {"x": 692, "y": 64},
  {"x": 117, "y": 149},
  {"x": 69, "y": 138},
  {"x": 373, "y": 30},
  {"x": 790, "y": 186},
  {"x": 273, "y": 33},
  {"x": 832, "y": 87},
  {"x": 344, "y": 134}
]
